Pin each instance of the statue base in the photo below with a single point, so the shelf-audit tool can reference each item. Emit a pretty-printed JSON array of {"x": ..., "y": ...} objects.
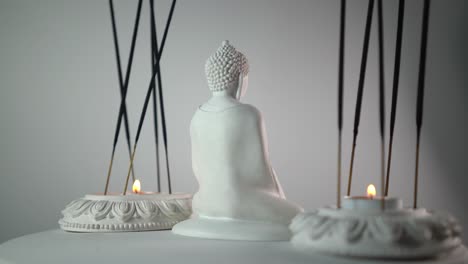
[{"x": 232, "y": 229}]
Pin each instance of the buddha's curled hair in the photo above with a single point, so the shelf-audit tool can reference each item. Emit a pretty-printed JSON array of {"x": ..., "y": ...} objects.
[{"x": 224, "y": 66}]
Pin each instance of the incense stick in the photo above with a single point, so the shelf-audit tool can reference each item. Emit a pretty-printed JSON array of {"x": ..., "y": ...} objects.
[
  {"x": 161, "y": 105},
  {"x": 381, "y": 97},
  {"x": 154, "y": 49},
  {"x": 420, "y": 96},
  {"x": 148, "y": 93},
  {"x": 163, "y": 120},
  {"x": 396, "y": 79},
  {"x": 340, "y": 97},
  {"x": 164, "y": 130},
  {"x": 123, "y": 87},
  {"x": 357, "y": 115}
]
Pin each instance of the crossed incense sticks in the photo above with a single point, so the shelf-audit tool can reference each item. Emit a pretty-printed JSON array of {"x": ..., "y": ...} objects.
[
  {"x": 123, "y": 86},
  {"x": 156, "y": 70},
  {"x": 420, "y": 95},
  {"x": 155, "y": 59}
]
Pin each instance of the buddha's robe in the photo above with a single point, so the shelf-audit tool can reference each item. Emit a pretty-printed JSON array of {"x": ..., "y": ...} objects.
[{"x": 230, "y": 161}]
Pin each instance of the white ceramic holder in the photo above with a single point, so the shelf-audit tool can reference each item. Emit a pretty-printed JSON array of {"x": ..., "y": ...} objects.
[
  {"x": 389, "y": 234},
  {"x": 126, "y": 213}
]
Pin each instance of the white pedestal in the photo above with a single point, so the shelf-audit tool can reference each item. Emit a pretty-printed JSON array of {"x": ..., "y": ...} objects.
[{"x": 60, "y": 247}]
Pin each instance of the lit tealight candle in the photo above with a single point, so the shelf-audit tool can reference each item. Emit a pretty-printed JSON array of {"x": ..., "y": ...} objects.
[
  {"x": 371, "y": 191},
  {"x": 136, "y": 188},
  {"x": 371, "y": 202}
]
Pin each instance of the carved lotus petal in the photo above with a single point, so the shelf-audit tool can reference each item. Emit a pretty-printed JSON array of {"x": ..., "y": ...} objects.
[
  {"x": 441, "y": 228},
  {"x": 384, "y": 230},
  {"x": 70, "y": 207},
  {"x": 168, "y": 208},
  {"x": 184, "y": 206},
  {"x": 321, "y": 226},
  {"x": 416, "y": 232},
  {"x": 452, "y": 224},
  {"x": 123, "y": 210},
  {"x": 146, "y": 209},
  {"x": 301, "y": 220},
  {"x": 100, "y": 209},
  {"x": 455, "y": 226},
  {"x": 78, "y": 208},
  {"x": 73, "y": 204},
  {"x": 355, "y": 229}
]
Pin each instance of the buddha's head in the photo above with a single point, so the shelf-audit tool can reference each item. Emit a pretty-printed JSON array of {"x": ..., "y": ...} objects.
[{"x": 227, "y": 71}]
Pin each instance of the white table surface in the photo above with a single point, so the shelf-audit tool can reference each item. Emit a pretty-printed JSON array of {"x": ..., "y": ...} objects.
[{"x": 57, "y": 246}]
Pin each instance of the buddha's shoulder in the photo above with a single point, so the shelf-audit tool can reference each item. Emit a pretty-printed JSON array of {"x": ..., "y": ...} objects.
[
  {"x": 244, "y": 111},
  {"x": 248, "y": 108},
  {"x": 244, "y": 114},
  {"x": 239, "y": 111}
]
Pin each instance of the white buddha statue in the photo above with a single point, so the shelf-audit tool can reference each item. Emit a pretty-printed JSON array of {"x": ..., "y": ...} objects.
[{"x": 239, "y": 195}]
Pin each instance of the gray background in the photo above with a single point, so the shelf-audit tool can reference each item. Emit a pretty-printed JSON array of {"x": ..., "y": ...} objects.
[{"x": 59, "y": 98}]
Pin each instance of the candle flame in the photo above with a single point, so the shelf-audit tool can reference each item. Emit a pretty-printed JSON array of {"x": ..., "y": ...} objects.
[
  {"x": 371, "y": 191},
  {"x": 136, "y": 186}
]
